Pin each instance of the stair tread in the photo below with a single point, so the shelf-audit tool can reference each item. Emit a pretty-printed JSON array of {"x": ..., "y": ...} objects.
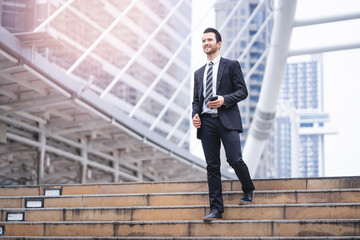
[
  {"x": 183, "y": 193},
  {"x": 224, "y": 221},
  {"x": 191, "y": 206},
  {"x": 188, "y": 238},
  {"x": 185, "y": 186}
]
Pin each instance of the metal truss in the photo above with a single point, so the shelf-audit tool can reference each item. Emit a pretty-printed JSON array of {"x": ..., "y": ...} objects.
[
  {"x": 107, "y": 37},
  {"x": 55, "y": 135}
]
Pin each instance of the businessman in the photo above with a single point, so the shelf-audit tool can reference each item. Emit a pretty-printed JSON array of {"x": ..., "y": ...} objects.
[{"x": 218, "y": 87}]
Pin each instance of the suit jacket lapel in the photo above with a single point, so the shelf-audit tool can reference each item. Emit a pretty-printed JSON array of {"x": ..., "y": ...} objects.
[{"x": 220, "y": 72}]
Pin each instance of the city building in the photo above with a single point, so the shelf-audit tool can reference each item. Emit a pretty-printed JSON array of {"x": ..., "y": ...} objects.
[
  {"x": 286, "y": 135},
  {"x": 300, "y": 140}
]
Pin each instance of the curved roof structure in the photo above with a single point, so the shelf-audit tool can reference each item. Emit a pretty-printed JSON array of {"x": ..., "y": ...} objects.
[
  {"x": 59, "y": 127},
  {"x": 96, "y": 91}
]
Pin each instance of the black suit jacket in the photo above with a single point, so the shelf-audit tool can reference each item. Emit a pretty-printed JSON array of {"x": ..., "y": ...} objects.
[{"x": 231, "y": 85}]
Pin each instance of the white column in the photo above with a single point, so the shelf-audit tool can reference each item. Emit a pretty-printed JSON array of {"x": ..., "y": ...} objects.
[
  {"x": 84, "y": 161},
  {"x": 41, "y": 154},
  {"x": 116, "y": 155},
  {"x": 264, "y": 115}
]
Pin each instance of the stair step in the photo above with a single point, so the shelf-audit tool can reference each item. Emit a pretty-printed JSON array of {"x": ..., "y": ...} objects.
[
  {"x": 309, "y": 208},
  {"x": 190, "y": 238},
  {"x": 232, "y": 212},
  {"x": 224, "y": 228},
  {"x": 176, "y": 199},
  {"x": 186, "y": 186}
]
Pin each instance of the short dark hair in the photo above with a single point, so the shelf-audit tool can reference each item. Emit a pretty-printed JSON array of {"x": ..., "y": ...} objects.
[{"x": 217, "y": 34}]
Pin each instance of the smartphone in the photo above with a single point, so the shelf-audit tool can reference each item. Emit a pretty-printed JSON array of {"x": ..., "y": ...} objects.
[{"x": 213, "y": 98}]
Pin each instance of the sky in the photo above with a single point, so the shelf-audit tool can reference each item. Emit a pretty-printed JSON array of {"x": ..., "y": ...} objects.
[{"x": 340, "y": 71}]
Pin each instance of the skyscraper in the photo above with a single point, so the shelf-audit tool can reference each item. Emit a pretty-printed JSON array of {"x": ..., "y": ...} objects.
[
  {"x": 302, "y": 89},
  {"x": 286, "y": 143}
]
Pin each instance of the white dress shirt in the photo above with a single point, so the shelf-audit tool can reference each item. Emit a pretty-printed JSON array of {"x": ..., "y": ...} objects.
[{"x": 215, "y": 62}]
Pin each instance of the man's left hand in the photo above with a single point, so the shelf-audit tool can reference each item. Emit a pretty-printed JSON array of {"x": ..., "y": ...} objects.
[{"x": 217, "y": 103}]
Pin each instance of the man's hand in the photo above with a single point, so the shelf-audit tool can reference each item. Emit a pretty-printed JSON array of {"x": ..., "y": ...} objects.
[
  {"x": 217, "y": 103},
  {"x": 196, "y": 121}
]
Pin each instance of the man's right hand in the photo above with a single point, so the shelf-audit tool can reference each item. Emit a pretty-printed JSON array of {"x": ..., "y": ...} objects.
[{"x": 196, "y": 121}]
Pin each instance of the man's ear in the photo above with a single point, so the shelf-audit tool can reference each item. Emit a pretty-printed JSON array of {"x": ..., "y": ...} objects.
[{"x": 219, "y": 44}]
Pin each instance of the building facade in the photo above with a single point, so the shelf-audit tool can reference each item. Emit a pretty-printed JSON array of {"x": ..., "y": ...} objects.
[
  {"x": 286, "y": 135},
  {"x": 302, "y": 90}
]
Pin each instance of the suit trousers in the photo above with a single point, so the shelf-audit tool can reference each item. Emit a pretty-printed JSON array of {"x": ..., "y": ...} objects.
[{"x": 212, "y": 133}]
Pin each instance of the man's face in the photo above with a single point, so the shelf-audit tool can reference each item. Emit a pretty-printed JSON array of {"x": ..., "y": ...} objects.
[{"x": 209, "y": 43}]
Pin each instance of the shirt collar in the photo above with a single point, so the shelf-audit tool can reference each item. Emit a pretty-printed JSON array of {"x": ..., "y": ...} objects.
[{"x": 215, "y": 60}]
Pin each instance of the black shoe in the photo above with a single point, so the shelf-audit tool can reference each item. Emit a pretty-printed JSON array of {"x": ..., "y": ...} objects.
[
  {"x": 214, "y": 215},
  {"x": 247, "y": 198}
]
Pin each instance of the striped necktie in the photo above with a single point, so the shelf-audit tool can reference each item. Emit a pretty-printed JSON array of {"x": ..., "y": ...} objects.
[{"x": 209, "y": 83}]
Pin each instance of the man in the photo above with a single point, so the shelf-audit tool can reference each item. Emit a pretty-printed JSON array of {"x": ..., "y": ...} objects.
[{"x": 219, "y": 120}]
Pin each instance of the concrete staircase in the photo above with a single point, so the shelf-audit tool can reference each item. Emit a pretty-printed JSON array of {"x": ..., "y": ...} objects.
[{"x": 311, "y": 208}]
